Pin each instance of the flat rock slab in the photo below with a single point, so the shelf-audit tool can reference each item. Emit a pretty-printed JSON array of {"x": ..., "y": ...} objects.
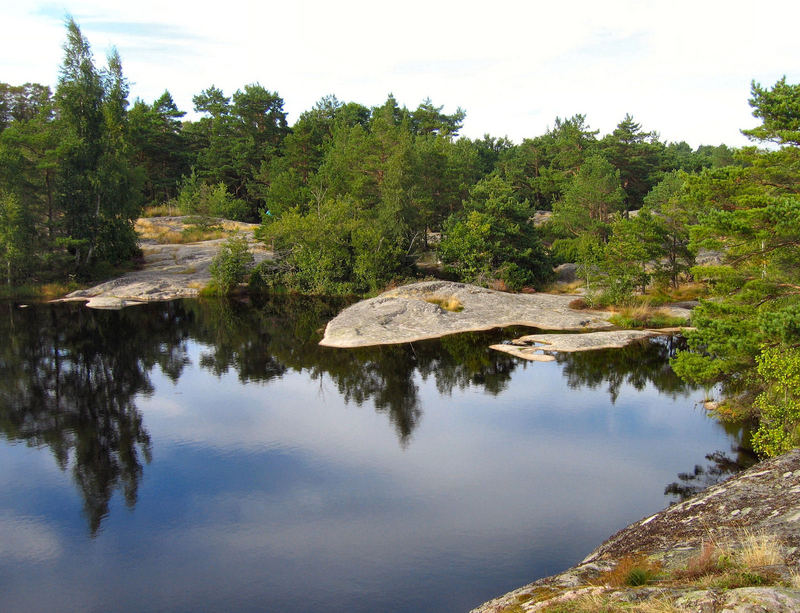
[
  {"x": 405, "y": 314},
  {"x": 538, "y": 347},
  {"x": 170, "y": 271}
]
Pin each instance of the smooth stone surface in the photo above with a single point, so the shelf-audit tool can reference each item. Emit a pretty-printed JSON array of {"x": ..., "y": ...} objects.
[
  {"x": 170, "y": 270},
  {"x": 536, "y": 347},
  {"x": 403, "y": 314}
]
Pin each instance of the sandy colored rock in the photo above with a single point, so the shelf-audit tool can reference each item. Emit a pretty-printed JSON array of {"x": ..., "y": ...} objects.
[
  {"x": 170, "y": 270},
  {"x": 404, "y": 314},
  {"x": 537, "y": 347}
]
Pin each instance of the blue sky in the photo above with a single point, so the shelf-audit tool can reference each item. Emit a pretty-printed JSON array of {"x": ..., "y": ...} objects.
[{"x": 680, "y": 68}]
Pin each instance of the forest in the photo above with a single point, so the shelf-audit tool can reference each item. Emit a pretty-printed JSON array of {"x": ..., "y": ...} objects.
[{"x": 354, "y": 198}]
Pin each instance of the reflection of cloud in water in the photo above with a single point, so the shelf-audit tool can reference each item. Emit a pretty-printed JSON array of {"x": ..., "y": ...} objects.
[{"x": 27, "y": 539}]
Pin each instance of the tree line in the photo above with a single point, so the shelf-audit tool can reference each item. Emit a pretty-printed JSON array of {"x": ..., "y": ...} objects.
[
  {"x": 351, "y": 198},
  {"x": 79, "y": 165}
]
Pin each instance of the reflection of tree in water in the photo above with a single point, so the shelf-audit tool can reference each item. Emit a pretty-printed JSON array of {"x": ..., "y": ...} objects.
[
  {"x": 264, "y": 338},
  {"x": 720, "y": 465},
  {"x": 646, "y": 363},
  {"x": 69, "y": 375},
  {"x": 68, "y": 378},
  {"x": 636, "y": 365}
]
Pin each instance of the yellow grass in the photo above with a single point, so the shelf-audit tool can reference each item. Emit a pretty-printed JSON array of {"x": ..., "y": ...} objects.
[
  {"x": 759, "y": 549},
  {"x": 563, "y": 287},
  {"x": 450, "y": 303}
]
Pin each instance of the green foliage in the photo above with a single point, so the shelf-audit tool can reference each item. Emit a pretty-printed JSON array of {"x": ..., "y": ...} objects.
[
  {"x": 637, "y": 155},
  {"x": 779, "y": 403},
  {"x": 230, "y": 266},
  {"x": 589, "y": 202},
  {"x": 779, "y": 110},
  {"x": 494, "y": 237},
  {"x": 159, "y": 147},
  {"x": 645, "y": 318},
  {"x": 99, "y": 190},
  {"x": 540, "y": 169},
  {"x": 16, "y": 238},
  {"x": 198, "y": 198},
  {"x": 638, "y": 576},
  {"x": 338, "y": 247},
  {"x": 746, "y": 338}
]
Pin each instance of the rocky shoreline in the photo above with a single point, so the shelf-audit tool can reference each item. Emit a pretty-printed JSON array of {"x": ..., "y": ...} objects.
[
  {"x": 707, "y": 554},
  {"x": 170, "y": 270},
  {"x": 414, "y": 312}
]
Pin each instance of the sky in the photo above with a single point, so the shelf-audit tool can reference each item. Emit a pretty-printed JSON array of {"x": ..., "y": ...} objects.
[{"x": 680, "y": 68}]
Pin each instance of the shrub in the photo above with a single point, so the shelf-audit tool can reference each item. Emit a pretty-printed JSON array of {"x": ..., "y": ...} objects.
[
  {"x": 199, "y": 198},
  {"x": 231, "y": 264},
  {"x": 779, "y": 403}
]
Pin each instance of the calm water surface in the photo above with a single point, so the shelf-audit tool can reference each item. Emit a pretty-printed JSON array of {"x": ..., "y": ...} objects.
[{"x": 210, "y": 456}]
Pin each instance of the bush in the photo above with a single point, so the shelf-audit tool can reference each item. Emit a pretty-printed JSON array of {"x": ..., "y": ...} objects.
[
  {"x": 199, "y": 198},
  {"x": 337, "y": 248},
  {"x": 231, "y": 264},
  {"x": 494, "y": 238},
  {"x": 779, "y": 403}
]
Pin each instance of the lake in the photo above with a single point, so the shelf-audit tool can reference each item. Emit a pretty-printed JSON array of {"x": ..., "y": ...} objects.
[{"x": 210, "y": 456}]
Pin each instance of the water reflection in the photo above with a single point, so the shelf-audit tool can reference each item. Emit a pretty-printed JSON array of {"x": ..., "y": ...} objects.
[
  {"x": 637, "y": 365},
  {"x": 67, "y": 382},
  {"x": 69, "y": 376},
  {"x": 720, "y": 465}
]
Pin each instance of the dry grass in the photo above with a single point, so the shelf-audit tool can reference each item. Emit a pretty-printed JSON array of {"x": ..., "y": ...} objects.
[
  {"x": 498, "y": 285},
  {"x": 603, "y": 603},
  {"x": 706, "y": 562},
  {"x": 630, "y": 571},
  {"x": 450, "y": 303},
  {"x": 795, "y": 580},
  {"x": 561, "y": 287},
  {"x": 686, "y": 291},
  {"x": 579, "y": 304},
  {"x": 741, "y": 562},
  {"x": 758, "y": 549},
  {"x": 656, "y": 605},
  {"x": 170, "y": 235},
  {"x": 161, "y": 210},
  {"x": 184, "y": 230},
  {"x": 644, "y": 315}
]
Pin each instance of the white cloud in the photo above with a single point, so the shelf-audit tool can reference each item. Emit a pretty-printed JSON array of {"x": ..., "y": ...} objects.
[
  {"x": 27, "y": 539},
  {"x": 681, "y": 68}
]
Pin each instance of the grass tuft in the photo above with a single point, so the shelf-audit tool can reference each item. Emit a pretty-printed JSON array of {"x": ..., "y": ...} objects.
[
  {"x": 630, "y": 571},
  {"x": 451, "y": 303},
  {"x": 645, "y": 316},
  {"x": 759, "y": 549},
  {"x": 161, "y": 210}
]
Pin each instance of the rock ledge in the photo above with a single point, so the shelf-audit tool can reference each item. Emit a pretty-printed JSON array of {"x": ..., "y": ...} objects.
[{"x": 405, "y": 314}]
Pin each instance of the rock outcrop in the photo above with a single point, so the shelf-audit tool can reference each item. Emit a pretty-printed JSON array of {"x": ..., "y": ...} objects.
[
  {"x": 414, "y": 312},
  {"x": 538, "y": 347},
  {"x": 170, "y": 271},
  {"x": 759, "y": 505}
]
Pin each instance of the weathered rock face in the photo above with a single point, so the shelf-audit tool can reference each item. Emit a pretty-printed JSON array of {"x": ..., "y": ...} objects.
[
  {"x": 170, "y": 271},
  {"x": 405, "y": 314},
  {"x": 566, "y": 273},
  {"x": 763, "y": 500}
]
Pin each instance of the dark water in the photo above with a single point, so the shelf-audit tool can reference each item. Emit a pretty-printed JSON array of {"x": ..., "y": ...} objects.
[{"x": 212, "y": 457}]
